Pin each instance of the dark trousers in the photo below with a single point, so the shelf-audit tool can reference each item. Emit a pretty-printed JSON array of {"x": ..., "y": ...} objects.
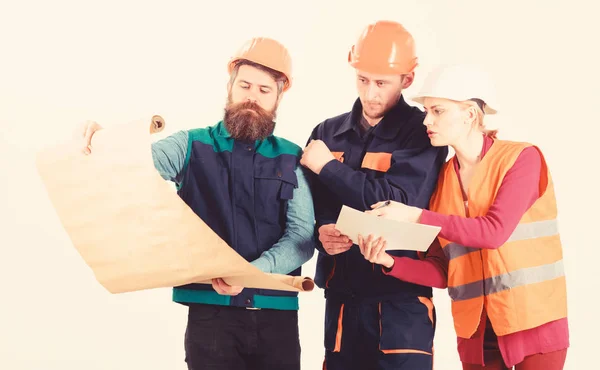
[
  {"x": 379, "y": 335},
  {"x": 224, "y": 338}
]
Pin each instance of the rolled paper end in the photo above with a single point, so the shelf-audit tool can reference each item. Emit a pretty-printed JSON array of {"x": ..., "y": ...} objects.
[
  {"x": 308, "y": 285},
  {"x": 157, "y": 124}
]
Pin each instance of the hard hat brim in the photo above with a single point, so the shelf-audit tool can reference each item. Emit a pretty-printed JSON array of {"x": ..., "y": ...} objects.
[{"x": 421, "y": 99}]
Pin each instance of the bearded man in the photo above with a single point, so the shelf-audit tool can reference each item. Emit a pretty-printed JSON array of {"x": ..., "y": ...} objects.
[{"x": 247, "y": 185}]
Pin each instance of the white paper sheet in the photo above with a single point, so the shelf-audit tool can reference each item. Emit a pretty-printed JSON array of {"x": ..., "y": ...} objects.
[{"x": 399, "y": 235}]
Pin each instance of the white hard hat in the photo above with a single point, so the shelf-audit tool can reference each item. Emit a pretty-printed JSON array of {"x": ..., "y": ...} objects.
[{"x": 460, "y": 83}]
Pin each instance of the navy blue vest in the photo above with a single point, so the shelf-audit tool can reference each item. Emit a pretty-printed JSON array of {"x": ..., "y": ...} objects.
[{"x": 240, "y": 190}]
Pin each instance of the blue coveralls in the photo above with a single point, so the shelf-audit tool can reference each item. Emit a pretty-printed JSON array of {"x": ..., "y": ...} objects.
[{"x": 373, "y": 320}]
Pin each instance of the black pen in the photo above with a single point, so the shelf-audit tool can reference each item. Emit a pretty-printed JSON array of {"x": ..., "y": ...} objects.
[{"x": 386, "y": 203}]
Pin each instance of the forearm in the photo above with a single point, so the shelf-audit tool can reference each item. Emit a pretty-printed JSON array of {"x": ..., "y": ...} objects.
[
  {"x": 410, "y": 179},
  {"x": 431, "y": 271},
  {"x": 285, "y": 256},
  {"x": 354, "y": 189},
  {"x": 297, "y": 245}
]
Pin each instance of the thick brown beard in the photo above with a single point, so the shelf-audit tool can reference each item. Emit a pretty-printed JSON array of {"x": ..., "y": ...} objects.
[{"x": 248, "y": 121}]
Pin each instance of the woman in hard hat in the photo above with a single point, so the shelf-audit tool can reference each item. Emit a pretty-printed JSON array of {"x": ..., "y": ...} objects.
[{"x": 498, "y": 251}]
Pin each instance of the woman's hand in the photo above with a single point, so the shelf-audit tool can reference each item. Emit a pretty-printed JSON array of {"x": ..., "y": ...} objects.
[
  {"x": 397, "y": 211},
  {"x": 374, "y": 250}
]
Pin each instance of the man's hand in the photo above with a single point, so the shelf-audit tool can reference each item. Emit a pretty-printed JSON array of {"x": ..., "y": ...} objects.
[
  {"x": 221, "y": 287},
  {"x": 316, "y": 155},
  {"x": 85, "y": 131},
  {"x": 374, "y": 250},
  {"x": 333, "y": 241}
]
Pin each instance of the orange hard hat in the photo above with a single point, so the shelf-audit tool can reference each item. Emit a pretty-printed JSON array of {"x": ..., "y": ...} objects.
[
  {"x": 384, "y": 47},
  {"x": 266, "y": 52}
]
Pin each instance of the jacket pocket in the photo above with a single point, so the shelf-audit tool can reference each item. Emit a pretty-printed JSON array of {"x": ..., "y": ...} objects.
[
  {"x": 273, "y": 188},
  {"x": 407, "y": 326},
  {"x": 281, "y": 182}
]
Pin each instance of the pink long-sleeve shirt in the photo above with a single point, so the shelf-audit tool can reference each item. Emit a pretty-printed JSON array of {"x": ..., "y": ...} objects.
[{"x": 516, "y": 195}]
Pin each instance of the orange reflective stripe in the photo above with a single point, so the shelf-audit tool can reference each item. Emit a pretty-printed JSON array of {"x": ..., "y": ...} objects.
[
  {"x": 429, "y": 304},
  {"x": 507, "y": 281},
  {"x": 534, "y": 230},
  {"x": 380, "y": 327},
  {"x": 338, "y": 335},
  {"x": 524, "y": 254},
  {"x": 516, "y": 255},
  {"x": 339, "y": 156},
  {"x": 455, "y": 250},
  {"x": 331, "y": 273},
  {"x": 377, "y": 161},
  {"x": 396, "y": 351},
  {"x": 523, "y": 232}
]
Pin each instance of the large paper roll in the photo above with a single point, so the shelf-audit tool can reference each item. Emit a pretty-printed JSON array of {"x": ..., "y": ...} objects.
[{"x": 128, "y": 224}]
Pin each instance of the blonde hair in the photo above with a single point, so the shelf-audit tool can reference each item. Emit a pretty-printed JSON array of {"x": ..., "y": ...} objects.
[{"x": 479, "y": 104}]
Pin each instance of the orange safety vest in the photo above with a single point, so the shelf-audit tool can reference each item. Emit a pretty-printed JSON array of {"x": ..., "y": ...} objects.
[{"x": 522, "y": 283}]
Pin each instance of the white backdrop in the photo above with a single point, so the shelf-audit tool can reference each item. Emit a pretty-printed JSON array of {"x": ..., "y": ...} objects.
[{"x": 62, "y": 62}]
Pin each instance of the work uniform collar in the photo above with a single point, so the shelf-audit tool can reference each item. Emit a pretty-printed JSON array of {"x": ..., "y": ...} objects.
[{"x": 387, "y": 128}]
